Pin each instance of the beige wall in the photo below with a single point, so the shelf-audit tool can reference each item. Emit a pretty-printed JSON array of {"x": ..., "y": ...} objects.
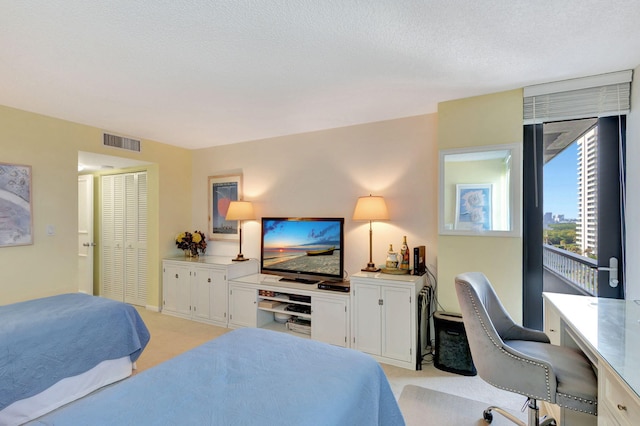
[
  {"x": 323, "y": 173},
  {"x": 50, "y": 146},
  {"x": 484, "y": 120}
]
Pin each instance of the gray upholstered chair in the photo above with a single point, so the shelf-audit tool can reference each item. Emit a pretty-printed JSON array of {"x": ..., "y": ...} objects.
[{"x": 521, "y": 360}]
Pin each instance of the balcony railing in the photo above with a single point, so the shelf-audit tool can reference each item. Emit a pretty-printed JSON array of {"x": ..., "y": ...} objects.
[{"x": 578, "y": 270}]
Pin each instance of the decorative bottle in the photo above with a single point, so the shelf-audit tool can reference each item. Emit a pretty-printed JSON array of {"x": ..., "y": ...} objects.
[
  {"x": 392, "y": 258},
  {"x": 404, "y": 255}
]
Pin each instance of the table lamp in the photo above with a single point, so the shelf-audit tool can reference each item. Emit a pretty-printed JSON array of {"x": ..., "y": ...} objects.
[
  {"x": 240, "y": 210},
  {"x": 371, "y": 208}
]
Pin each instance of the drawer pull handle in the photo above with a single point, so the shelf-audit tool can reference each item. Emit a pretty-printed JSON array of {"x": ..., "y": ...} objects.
[{"x": 622, "y": 407}]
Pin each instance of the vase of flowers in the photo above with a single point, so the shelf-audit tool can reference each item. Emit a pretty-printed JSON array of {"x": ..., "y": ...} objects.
[{"x": 192, "y": 243}]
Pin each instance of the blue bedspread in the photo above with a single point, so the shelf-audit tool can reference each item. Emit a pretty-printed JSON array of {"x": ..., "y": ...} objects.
[
  {"x": 45, "y": 340},
  {"x": 246, "y": 377}
]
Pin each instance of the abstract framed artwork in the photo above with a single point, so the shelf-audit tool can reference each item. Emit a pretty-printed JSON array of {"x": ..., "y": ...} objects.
[
  {"x": 16, "y": 216},
  {"x": 473, "y": 207},
  {"x": 223, "y": 190}
]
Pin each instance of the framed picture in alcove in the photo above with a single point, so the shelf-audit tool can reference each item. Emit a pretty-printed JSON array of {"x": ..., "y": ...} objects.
[
  {"x": 473, "y": 207},
  {"x": 223, "y": 190}
]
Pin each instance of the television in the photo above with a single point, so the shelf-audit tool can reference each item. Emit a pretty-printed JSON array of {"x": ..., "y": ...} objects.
[{"x": 306, "y": 250}]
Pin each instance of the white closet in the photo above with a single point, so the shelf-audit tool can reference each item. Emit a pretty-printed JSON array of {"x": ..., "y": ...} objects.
[{"x": 124, "y": 237}]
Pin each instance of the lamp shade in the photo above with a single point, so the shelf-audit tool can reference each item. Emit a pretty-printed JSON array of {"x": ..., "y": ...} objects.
[
  {"x": 240, "y": 210},
  {"x": 371, "y": 207}
]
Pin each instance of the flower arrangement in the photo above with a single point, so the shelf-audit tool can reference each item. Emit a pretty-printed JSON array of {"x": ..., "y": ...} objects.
[{"x": 194, "y": 242}]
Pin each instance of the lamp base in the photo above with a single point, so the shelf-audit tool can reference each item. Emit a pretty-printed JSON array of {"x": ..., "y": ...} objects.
[
  {"x": 371, "y": 267},
  {"x": 239, "y": 258}
]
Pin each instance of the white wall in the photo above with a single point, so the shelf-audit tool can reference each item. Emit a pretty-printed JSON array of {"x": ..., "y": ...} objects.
[
  {"x": 323, "y": 173},
  {"x": 633, "y": 195}
]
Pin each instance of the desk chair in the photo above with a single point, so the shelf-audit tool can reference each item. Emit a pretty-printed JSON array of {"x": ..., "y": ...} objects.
[{"x": 519, "y": 359}]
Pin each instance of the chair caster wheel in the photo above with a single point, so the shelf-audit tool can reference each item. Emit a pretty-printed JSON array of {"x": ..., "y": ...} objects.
[
  {"x": 548, "y": 422},
  {"x": 487, "y": 416}
]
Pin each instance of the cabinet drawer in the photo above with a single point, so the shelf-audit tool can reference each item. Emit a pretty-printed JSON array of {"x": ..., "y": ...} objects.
[{"x": 618, "y": 399}]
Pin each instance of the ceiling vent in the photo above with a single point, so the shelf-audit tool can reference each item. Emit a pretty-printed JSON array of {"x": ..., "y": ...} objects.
[{"x": 121, "y": 142}]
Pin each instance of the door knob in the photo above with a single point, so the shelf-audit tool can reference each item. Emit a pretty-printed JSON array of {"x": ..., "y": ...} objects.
[{"x": 613, "y": 271}]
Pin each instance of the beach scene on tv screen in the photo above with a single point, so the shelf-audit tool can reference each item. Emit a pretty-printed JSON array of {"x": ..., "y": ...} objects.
[{"x": 302, "y": 246}]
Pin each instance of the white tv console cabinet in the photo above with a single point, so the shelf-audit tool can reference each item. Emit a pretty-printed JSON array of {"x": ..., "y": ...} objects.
[
  {"x": 198, "y": 288},
  {"x": 329, "y": 310},
  {"x": 378, "y": 316}
]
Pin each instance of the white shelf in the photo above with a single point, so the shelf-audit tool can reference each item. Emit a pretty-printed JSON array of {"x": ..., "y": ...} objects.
[
  {"x": 284, "y": 299},
  {"x": 280, "y": 309},
  {"x": 275, "y": 326}
]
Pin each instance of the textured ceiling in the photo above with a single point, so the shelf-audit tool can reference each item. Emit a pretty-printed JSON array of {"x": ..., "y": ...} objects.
[{"x": 199, "y": 73}]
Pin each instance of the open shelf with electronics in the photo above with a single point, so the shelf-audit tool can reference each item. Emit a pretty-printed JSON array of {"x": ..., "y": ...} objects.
[
  {"x": 291, "y": 310},
  {"x": 261, "y": 300}
]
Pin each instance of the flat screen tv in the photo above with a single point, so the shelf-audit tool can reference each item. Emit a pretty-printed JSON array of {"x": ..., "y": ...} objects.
[{"x": 303, "y": 248}]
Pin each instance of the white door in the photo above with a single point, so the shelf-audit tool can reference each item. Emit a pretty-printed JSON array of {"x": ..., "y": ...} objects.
[
  {"x": 85, "y": 234},
  {"x": 329, "y": 320},
  {"x": 396, "y": 317},
  {"x": 243, "y": 310},
  {"x": 200, "y": 292},
  {"x": 176, "y": 294},
  {"x": 366, "y": 317},
  {"x": 112, "y": 242},
  {"x": 218, "y": 297}
]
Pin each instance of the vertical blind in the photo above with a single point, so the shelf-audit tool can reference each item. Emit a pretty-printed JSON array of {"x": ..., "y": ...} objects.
[{"x": 597, "y": 96}]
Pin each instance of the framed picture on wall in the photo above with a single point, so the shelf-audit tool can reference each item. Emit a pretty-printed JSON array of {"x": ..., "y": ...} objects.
[
  {"x": 16, "y": 216},
  {"x": 223, "y": 190},
  {"x": 473, "y": 207}
]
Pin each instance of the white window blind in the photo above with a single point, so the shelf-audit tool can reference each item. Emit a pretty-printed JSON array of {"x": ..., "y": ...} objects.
[{"x": 597, "y": 96}]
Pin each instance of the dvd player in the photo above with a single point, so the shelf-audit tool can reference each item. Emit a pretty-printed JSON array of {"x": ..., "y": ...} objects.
[{"x": 334, "y": 286}]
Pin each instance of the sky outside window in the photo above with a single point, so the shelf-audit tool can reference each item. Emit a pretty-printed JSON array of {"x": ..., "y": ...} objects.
[{"x": 561, "y": 183}]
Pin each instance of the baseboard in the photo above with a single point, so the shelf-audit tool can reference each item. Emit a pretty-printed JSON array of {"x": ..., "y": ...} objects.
[{"x": 152, "y": 308}]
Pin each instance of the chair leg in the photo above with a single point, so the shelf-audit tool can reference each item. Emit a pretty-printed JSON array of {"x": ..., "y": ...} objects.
[
  {"x": 533, "y": 416},
  {"x": 534, "y": 412},
  {"x": 488, "y": 415}
]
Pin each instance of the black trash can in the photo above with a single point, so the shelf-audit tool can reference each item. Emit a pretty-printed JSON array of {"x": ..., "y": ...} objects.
[{"x": 452, "y": 352}]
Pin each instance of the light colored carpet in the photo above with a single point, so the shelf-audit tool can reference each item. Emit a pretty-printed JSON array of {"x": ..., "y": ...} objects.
[{"x": 423, "y": 407}]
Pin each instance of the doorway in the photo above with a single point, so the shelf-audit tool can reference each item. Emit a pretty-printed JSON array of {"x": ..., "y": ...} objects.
[
  {"x": 90, "y": 166},
  {"x": 85, "y": 234},
  {"x": 573, "y": 210}
]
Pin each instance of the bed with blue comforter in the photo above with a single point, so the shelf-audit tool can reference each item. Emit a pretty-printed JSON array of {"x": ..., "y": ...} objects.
[
  {"x": 45, "y": 340},
  {"x": 246, "y": 377}
]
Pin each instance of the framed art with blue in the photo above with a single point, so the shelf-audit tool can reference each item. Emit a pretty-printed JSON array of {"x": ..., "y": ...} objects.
[
  {"x": 16, "y": 211},
  {"x": 473, "y": 207}
]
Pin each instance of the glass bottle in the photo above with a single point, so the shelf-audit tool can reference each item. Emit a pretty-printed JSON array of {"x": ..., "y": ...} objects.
[
  {"x": 404, "y": 254},
  {"x": 392, "y": 258}
]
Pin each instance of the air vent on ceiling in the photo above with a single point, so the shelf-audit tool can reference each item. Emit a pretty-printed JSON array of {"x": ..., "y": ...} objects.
[{"x": 121, "y": 142}]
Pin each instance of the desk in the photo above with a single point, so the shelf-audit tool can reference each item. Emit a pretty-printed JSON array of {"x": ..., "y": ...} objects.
[{"x": 608, "y": 332}]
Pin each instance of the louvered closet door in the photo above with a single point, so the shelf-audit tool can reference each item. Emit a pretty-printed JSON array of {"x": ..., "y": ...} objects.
[
  {"x": 124, "y": 238},
  {"x": 112, "y": 244},
  {"x": 135, "y": 231}
]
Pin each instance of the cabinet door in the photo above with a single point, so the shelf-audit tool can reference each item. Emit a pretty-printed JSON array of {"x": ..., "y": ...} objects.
[
  {"x": 176, "y": 288},
  {"x": 396, "y": 320},
  {"x": 243, "y": 306},
  {"x": 218, "y": 297},
  {"x": 366, "y": 318},
  {"x": 329, "y": 322},
  {"x": 200, "y": 288}
]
